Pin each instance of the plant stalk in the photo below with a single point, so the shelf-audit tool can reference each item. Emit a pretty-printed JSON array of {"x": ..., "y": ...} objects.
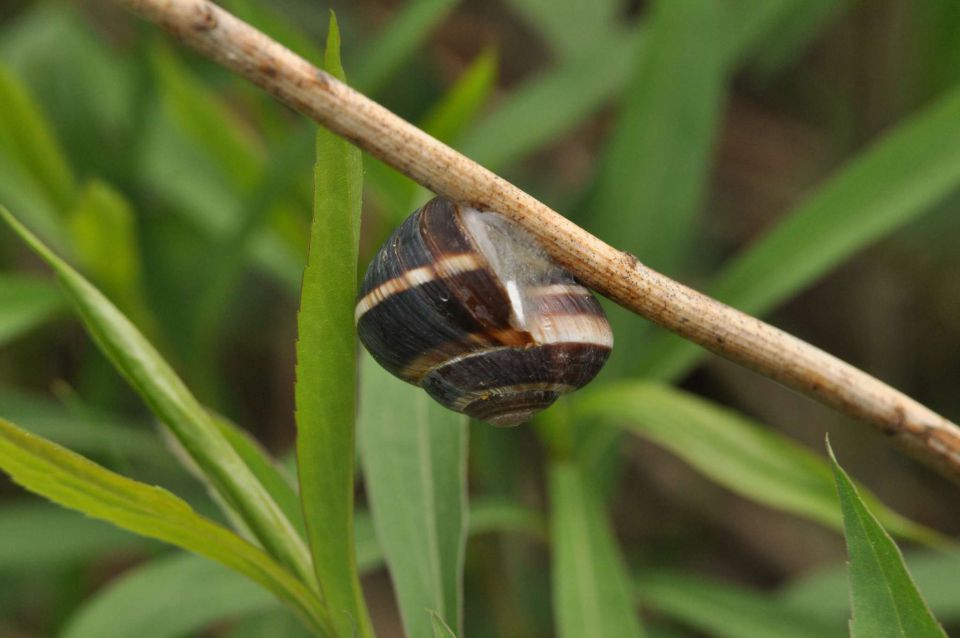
[{"x": 618, "y": 275}]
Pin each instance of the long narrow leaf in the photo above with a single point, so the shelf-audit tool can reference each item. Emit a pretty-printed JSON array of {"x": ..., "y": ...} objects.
[
  {"x": 326, "y": 371},
  {"x": 168, "y": 597},
  {"x": 651, "y": 183},
  {"x": 35, "y": 536},
  {"x": 734, "y": 451},
  {"x": 886, "y": 602},
  {"x": 899, "y": 178},
  {"x": 398, "y": 41},
  {"x": 569, "y": 27},
  {"x": 446, "y": 121},
  {"x": 75, "y": 482},
  {"x": 591, "y": 594},
  {"x": 170, "y": 399},
  {"x": 25, "y": 303},
  {"x": 29, "y": 137},
  {"x": 653, "y": 175},
  {"x": 726, "y": 611},
  {"x": 414, "y": 461},
  {"x": 824, "y": 592}
]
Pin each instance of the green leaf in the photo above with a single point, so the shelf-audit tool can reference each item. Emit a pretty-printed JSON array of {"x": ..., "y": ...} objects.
[
  {"x": 272, "y": 622},
  {"x": 414, "y": 461},
  {"x": 440, "y": 628},
  {"x": 326, "y": 365},
  {"x": 36, "y": 536},
  {"x": 71, "y": 480},
  {"x": 104, "y": 240},
  {"x": 901, "y": 176},
  {"x": 650, "y": 186},
  {"x": 266, "y": 469},
  {"x": 734, "y": 451},
  {"x": 173, "y": 403},
  {"x": 29, "y": 138},
  {"x": 25, "y": 303},
  {"x": 548, "y": 105},
  {"x": 591, "y": 593},
  {"x": 394, "y": 45},
  {"x": 446, "y": 121},
  {"x": 727, "y": 611},
  {"x": 227, "y": 140},
  {"x": 886, "y": 602},
  {"x": 649, "y": 190},
  {"x": 801, "y": 23},
  {"x": 169, "y": 597},
  {"x": 824, "y": 592},
  {"x": 91, "y": 432},
  {"x": 569, "y": 27}
]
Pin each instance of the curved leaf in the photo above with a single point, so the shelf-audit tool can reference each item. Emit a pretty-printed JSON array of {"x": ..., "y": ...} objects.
[
  {"x": 900, "y": 177},
  {"x": 168, "y": 597},
  {"x": 734, "y": 451},
  {"x": 25, "y": 303},
  {"x": 726, "y": 611},
  {"x": 70, "y": 480},
  {"x": 170, "y": 399}
]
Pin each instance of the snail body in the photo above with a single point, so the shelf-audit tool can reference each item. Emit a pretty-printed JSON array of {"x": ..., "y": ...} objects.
[{"x": 465, "y": 304}]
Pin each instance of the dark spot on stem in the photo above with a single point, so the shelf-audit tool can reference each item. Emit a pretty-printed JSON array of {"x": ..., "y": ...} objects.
[{"x": 206, "y": 20}]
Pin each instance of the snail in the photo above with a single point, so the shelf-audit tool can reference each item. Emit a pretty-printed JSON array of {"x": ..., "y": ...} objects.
[{"x": 467, "y": 305}]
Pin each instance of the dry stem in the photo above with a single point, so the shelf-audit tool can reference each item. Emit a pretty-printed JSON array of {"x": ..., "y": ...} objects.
[{"x": 617, "y": 275}]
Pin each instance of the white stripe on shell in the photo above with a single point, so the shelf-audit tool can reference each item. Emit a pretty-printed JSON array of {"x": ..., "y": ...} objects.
[
  {"x": 575, "y": 328},
  {"x": 447, "y": 266}
]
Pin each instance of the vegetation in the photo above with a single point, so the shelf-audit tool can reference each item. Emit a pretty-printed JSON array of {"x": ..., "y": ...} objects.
[{"x": 203, "y": 312}]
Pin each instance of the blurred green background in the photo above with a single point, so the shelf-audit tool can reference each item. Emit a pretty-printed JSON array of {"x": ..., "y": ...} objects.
[{"x": 687, "y": 132}]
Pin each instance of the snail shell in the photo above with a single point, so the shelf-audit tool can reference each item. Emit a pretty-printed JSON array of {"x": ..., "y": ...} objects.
[{"x": 469, "y": 307}]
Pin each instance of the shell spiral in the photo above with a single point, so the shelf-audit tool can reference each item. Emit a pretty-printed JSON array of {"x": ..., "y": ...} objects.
[{"x": 467, "y": 305}]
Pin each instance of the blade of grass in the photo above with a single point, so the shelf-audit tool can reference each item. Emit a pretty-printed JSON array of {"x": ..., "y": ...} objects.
[
  {"x": 569, "y": 27},
  {"x": 727, "y": 611},
  {"x": 94, "y": 433},
  {"x": 824, "y": 592},
  {"x": 650, "y": 186},
  {"x": 231, "y": 145},
  {"x": 900, "y": 177},
  {"x": 886, "y": 602},
  {"x": 36, "y": 537},
  {"x": 652, "y": 177},
  {"x": 199, "y": 592},
  {"x": 548, "y": 105},
  {"x": 21, "y": 189},
  {"x": 446, "y": 121},
  {"x": 70, "y": 480},
  {"x": 25, "y": 303},
  {"x": 27, "y": 135},
  {"x": 172, "y": 596},
  {"x": 414, "y": 460},
  {"x": 734, "y": 451},
  {"x": 266, "y": 469},
  {"x": 801, "y": 23},
  {"x": 440, "y": 628},
  {"x": 170, "y": 400},
  {"x": 326, "y": 371},
  {"x": 591, "y": 594},
  {"x": 104, "y": 240},
  {"x": 393, "y": 46}
]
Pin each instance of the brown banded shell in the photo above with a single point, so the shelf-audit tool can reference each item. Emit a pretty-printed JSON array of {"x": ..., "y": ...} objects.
[{"x": 469, "y": 307}]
